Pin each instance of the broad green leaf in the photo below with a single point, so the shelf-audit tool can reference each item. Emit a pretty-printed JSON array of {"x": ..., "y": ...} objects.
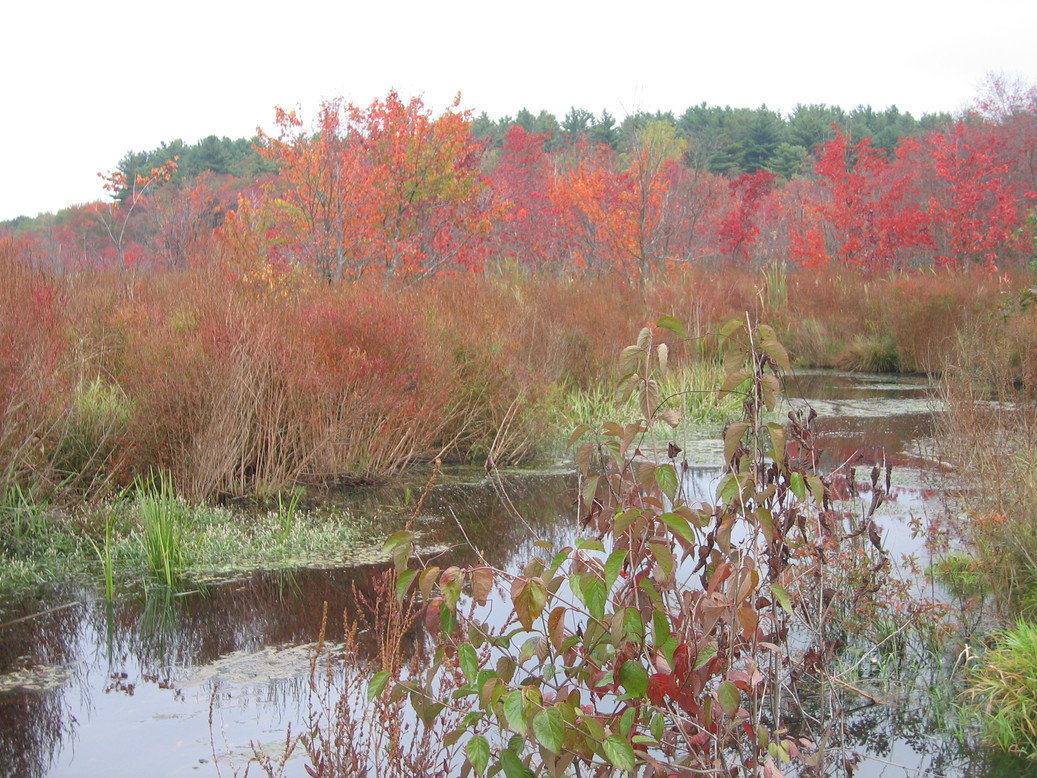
[
  {"x": 377, "y": 684},
  {"x": 513, "y": 711},
  {"x": 594, "y": 594},
  {"x": 478, "y": 751},
  {"x": 397, "y": 539},
  {"x": 782, "y": 598},
  {"x": 729, "y": 698},
  {"x": 728, "y": 489},
  {"x": 777, "y": 433},
  {"x": 733, "y": 380},
  {"x": 624, "y": 520},
  {"x": 626, "y": 722},
  {"x": 817, "y": 489},
  {"x": 468, "y": 660},
  {"x": 666, "y": 477},
  {"x": 673, "y": 325},
  {"x": 704, "y": 654},
  {"x": 663, "y": 556},
  {"x": 614, "y": 565},
  {"x": 447, "y": 620},
  {"x": 679, "y": 525},
  {"x": 660, "y": 627},
  {"x": 513, "y": 767},
  {"x": 403, "y": 582},
  {"x": 619, "y": 752},
  {"x": 633, "y": 626},
  {"x": 634, "y": 678},
  {"x": 798, "y": 485},
  {"x": 657, "y": 725},
  {"x": 549, "y": 729}
]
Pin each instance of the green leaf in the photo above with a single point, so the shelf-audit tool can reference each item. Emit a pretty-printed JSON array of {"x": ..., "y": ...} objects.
[
  {"x": 705, "y": 653},
  {"x": 633, "y": 626},
  {"x": 397, "y": 539},
  {"x": 450, "y": 585},
  {"x": 773, "y": 348},
  {"x": 634, "y": 678},
  {"x": 666, "y": 477},
  {"x": 513, "y": 767},
  {"x": 679, "y": 526},
  {"x": 594, "y": 594},
  {"x": 782, "y": 598},
  {"x": 613, "y": 566},
  {"x": 478, "y": 751},
  {"x": 673, "y": 325},
  {"x": 777, "y": 433},
  {"x": 619, "y": 752},
  {"x": 549, "y": 729},
  {"x": 660, "y": 627},
  {"x": 513, "y": 711},
  {"x": 657, "y": 724},
  {"x": 377, "y": 684},
  {"x": 626, "y": 721},
  {"x": 403, "y": 582},
  {"x": 728, "y": 489},
  {"x": 468, "y": 660},
  {"x": 447, "y": 620},
  {"x": 798, "y": 485},
  {"x": 729, "y": 698}
]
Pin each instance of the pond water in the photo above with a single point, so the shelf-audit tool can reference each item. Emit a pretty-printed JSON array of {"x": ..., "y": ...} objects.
[{"x": 181, "y": 684}]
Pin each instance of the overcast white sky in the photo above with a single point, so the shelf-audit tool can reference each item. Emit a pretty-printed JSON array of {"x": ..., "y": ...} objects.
[{"x": 83, "y": 83}]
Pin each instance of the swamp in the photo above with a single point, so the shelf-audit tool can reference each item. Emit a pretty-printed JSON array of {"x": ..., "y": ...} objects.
[{"x": 403, "y": 443}]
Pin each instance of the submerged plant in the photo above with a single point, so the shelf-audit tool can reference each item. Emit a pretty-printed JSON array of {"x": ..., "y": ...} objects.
[{"x": 1003, "y": 690}]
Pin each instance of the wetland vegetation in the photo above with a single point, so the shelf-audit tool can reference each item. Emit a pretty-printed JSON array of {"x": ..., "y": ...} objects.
[{"x": 551, "y": 371}]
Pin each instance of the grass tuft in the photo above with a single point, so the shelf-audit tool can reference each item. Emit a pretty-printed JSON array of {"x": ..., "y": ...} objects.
[{"x": 1003, "y": 691}]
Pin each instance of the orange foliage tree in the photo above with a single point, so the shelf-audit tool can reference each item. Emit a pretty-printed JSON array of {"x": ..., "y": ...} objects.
[{"x": 389, "y": 189}]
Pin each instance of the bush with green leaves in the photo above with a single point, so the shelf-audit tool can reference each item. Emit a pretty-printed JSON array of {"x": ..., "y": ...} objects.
[{"x": 672, "y": 638}]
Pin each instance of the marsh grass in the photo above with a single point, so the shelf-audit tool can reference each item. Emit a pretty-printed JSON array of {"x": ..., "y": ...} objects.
[
  {"x": 103, "y": 549},
  {"x": 1003, "y": 690},
  {"x": 108, "y": 544},
  {"x": 162, "y": 536},
  {"x": 690, "y": 388},
  {"x": 286, "y": 511},
  {"x": 959, "y": 573}
]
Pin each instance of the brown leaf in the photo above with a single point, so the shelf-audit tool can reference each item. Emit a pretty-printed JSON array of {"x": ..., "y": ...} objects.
[{"x": 482, "y": 584}]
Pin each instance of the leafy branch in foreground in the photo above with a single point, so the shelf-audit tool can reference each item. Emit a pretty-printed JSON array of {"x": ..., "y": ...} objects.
[{"x": 672, "y": 638}]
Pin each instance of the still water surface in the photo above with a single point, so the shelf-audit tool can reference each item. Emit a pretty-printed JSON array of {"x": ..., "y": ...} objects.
[{"x": 156, "y": 684}]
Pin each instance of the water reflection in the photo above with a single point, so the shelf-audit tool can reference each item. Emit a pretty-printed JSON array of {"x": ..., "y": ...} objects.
[{"x": 125, "y": 688}]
